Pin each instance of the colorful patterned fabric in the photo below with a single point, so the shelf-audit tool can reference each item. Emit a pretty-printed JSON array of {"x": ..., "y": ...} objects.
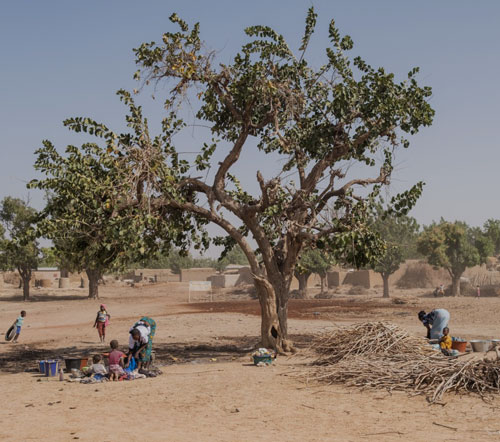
[{"x": 145, "y": 354}]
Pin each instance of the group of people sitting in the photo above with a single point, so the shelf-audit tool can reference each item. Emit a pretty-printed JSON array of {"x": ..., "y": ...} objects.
[{"x": 140, "y": 347}]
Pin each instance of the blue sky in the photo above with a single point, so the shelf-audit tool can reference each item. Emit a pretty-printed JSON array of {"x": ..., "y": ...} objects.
[{"x": 67, "y": 58}]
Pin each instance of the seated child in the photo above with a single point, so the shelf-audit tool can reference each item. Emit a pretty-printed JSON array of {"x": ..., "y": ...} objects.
[
  {"x": 445, "y": 341},
  {"x": 97, "y": 367},
  {"x": 116, "y": 358}
]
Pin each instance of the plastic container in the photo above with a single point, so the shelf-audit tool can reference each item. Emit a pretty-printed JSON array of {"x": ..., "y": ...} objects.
[
  {"x": 51, "y": 368},
  {"x": 459, "y": 345},
  {"x": 41, "y": 366},
  {"x": 480, "y": 345},
  {"x": 266, "y": 359},
  {"x": 73, "y": 363}
]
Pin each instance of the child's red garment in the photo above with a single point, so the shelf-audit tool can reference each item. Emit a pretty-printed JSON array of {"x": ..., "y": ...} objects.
[
  {"x": 114, "y": 362},
  {"x": 115, "y": 356}
]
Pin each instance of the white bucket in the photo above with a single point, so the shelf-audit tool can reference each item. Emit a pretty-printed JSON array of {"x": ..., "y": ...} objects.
[{"x": 480, "y": 345}]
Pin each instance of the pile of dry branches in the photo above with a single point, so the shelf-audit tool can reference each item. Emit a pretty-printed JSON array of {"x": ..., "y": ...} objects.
[
  {"x": 382, "y": 355},
  {"x": 369, "y": 338}
]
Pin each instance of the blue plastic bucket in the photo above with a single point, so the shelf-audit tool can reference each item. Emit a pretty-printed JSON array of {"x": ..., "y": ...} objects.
[
  {"x": 41, "y": 366},
  {"x": 51, "y": 368}
]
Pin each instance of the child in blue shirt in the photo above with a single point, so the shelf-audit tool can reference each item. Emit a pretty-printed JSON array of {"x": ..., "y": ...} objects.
[{"x": 19, "y": 324}]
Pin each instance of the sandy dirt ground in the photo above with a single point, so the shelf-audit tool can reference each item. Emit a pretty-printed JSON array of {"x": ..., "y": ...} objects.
[{"x": 209, "y": 390}]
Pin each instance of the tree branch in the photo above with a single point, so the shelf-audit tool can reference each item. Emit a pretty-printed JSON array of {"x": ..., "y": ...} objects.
[{"x": 216, "y": 219}]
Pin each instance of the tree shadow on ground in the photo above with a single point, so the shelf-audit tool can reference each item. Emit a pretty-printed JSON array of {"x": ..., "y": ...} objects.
[
  {"x": 45, "y": 297},
  {"x": 23, "y": 358}
]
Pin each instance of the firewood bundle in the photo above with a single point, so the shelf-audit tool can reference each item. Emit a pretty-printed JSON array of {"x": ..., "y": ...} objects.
[{"x": 382, "y": 355}]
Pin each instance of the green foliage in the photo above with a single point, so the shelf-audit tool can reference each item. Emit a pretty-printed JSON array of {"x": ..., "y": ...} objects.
[
  {"x": 175, "y": 260},
  {"x": 49, "y": 257},
  {"x": 234, "y": 256},
  {"x": 400, "y": 234},
  {"x": 454, "y": 246},
  {"x": 314, "y": 261},
  {"x": 492, "y": 230},
  {"x": 86, "y": 216},
  {"x": 19, "y": 249},
  {"x": 315, "y": 118}
]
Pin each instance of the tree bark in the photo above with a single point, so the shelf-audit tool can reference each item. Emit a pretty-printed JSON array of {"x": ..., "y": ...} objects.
[
  {"x": 303, "y": 278},
  {"x": 64, "y": 273},
  {"x": 322, "y": 277},
  {"x": 25, "y": 274},
  {"x": 26, "y": 288},
  {"x": 455, "y": 285},
  {"x": 93, "y": 275},
  {"x": 270, "y": 326},
  {"x": 273, "y": 299},
  {"x": 385, "y": 278}
]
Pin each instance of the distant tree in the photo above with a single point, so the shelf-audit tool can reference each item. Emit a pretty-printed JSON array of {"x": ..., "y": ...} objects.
[
  {"x": 177, "y": 260},
  {"x": 49, "y": 257},
  {"x": 454, "y": 247},
  {"x": 233, "y": 256},
  {"x": 492, "y": 231},
  {"x": 312, "y": 261},
  {"x": 19, "y": 248},
  {"x": 400, "y": 234}
]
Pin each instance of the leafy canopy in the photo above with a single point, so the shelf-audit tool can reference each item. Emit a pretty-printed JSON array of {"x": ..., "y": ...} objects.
[
  {"x": 86, "y": 215},
  {"x": 18, "y": 246},
  {"x": 400, "y": 234},
  {"x": 454, "y": 246},
  {"x": 492, "y": 230},
  {"x": 318, "y": 119}
]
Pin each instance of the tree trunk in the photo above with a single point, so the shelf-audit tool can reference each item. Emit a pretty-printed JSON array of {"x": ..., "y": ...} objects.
[
  {"x": 455, "y": 285},
  {"x": 274, "y": 315},
  {"x": 26, "y": 288},
  {"x": 385, "y": 278},
  {"x": 64, "y": 273},
  {"x": 93, "y": 276},
  {"x": 302, "y": 278},
  {"x": 25, "y": 274},
  {"x": 322, "y": 277},
  {"x": 270, "y": 327}
]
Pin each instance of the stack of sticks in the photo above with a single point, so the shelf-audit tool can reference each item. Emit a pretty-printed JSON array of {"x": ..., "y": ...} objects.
[{"x": 382, "y": 355}]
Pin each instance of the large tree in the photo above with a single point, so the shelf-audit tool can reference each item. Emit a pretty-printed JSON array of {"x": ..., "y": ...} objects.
[
  {"x": 89, "y": 231},
  {"x": 399, "y": 234},
  {"x": 314, "y": 122},
  {"x": 455, "y": 247},
  {"x": 19, "y": 250}
]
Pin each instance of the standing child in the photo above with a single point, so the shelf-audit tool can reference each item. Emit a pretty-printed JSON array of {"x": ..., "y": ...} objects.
[
  {"x": 19, "y": 324},
  {"x": 102, "y": 321},
  {"x": 116, "y": 363}
]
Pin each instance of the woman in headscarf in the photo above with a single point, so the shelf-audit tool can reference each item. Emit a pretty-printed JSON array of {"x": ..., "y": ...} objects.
[
  {"x": 141, "y": 342},
  {"x": 435, "y": 321},
  {"x": 102, "y": 321}
]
